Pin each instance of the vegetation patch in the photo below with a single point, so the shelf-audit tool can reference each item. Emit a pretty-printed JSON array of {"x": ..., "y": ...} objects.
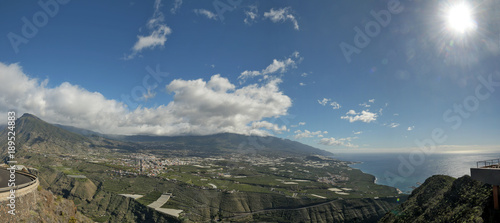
[{"x": 150, "y": 198}]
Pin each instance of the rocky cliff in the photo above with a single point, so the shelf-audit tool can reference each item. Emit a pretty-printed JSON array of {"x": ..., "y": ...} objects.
[
  {"x": 353, "y": 210},
  {"x": 209, "y": 205},
  {"x": 43, "y": 206},
  {"x": 446, "y": 199},
  {"x": 265, "y": 207},
  {"x": 100, "y": 205}
]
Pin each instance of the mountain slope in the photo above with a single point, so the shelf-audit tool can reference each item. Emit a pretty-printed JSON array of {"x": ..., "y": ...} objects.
[
  {"x": 31, "y": 129},
  {"x": 43, "y": 206},
  {"x": 48, "y": 138},
  {"x": 34, "y": 132},
  {"x": 35, "y": 136},
  {"x": 217, "y": 144},
  {"x": 80, "y": 131},
  {"x": 446, "y": 199},
  {"x": 224, "y": 143}
]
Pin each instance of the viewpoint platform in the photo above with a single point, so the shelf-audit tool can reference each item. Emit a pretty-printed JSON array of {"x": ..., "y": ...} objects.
[{"x": 5, "y": 176}]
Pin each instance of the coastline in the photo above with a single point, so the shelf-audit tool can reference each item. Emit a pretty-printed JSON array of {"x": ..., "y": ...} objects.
[
  {"x": 385, "y": 167},
  {"x": 376, "y": 179}
]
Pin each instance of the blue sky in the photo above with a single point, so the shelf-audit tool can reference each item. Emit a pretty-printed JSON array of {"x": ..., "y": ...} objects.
[{"x": 338, "y": 75}]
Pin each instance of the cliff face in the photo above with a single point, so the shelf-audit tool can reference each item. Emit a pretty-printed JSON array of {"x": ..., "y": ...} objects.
[
  {"x": 444, "y": 199},
  {"x": 42, "y": 206},
  {"x": 354, "y": 210},
  {"x": 207, "y": 205},
  {"x": 98, "y": 204}
]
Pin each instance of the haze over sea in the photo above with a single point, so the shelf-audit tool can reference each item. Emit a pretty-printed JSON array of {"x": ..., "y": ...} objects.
[{"x": 377, "y": 164}]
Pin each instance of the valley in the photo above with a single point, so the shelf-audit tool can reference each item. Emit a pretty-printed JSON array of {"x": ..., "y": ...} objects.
[{"x": 239, "y": 185}]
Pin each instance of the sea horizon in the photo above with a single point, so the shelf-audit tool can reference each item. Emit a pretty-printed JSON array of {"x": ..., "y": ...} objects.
[{"x": 385, "y": 166}]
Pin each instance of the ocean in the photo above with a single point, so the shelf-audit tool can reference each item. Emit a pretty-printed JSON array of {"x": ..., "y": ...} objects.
[{"x": 406, "y": 172}]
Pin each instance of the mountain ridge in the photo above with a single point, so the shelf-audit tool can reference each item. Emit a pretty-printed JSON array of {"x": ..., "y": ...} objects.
[{"x": 32, "y": 130}]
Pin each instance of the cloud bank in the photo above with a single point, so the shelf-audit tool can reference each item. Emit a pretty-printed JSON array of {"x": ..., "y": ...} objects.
[
  {"x": 337, "y": 142},
  {"x": 199, "y": 107}
]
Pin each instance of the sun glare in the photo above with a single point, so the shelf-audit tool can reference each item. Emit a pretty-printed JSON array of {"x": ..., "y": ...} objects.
[{"x": 460, "y": 19}]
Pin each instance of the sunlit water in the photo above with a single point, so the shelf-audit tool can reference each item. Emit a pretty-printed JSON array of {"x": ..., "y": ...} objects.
[{"x": 390, "y": 170}]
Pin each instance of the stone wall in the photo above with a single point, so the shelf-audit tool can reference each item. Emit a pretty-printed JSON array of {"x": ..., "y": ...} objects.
[{"x": 25, "y": 201}]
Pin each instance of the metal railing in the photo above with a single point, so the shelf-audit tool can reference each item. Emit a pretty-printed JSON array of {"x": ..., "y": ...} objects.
[{"x": 494, "y": 163}]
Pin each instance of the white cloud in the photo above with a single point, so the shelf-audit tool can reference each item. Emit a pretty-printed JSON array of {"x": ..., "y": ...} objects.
[
  {"x": 351, "y": 112},
  {"x": 357, "y": 133},
  {"x": 324, "y": 101},
  {"x": 267, "y": 125},
  {"x": 396, "y": 114},
  {"x": 157, "y": 37},
  {"x": 251, "y": 15},
  {"x": 302, "y": 84},
  {"x": 338, "y": 142},
  {"x": 364, "y": 116},
  {"x": 302, "y": 123},
  {"x": 177, "y": 6},
  {"x": 410, "y": 128},
  {"x": 199, "y": 107},
  {"x": 306, "y": 134},
  {"x": 366, "y": 105},
  {"x": 206, "y": 13},
  {"x": 393, "y": 125},
  {"x": 282, "y": 15},
  {"x": 335, "y": 105},
  {"x": 278, "y": 66},
  {"x": 304, "y": 74},
  {"x": 148, "y": 95}
]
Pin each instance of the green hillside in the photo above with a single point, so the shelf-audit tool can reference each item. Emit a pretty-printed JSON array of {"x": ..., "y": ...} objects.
[{"x": 446, "y": 199}]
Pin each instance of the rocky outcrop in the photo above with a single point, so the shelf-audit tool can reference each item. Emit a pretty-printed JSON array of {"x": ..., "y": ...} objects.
[
  {"x": 446, "y": 199},
  {"x": 42, "y": 206}
]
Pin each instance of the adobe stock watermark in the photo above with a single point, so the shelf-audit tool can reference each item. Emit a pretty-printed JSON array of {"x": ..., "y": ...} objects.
[
  {"x": 222, "y": 7},
  {"x": 372, "y": 29},
  {"x": 455, "y": 116},
  {"x": 30, "y": 27},
  {"x": 149, "y": 83}
]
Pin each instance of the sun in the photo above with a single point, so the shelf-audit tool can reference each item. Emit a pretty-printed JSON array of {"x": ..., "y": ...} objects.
[{"x": 460, "y": 18}]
